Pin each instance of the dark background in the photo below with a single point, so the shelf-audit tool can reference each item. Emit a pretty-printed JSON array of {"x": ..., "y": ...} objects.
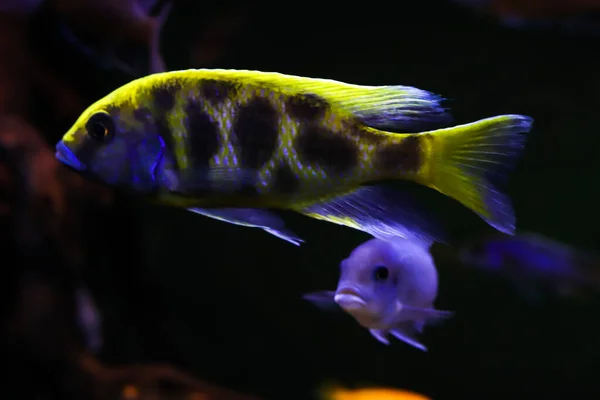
[{"x": 224, "y": 302}]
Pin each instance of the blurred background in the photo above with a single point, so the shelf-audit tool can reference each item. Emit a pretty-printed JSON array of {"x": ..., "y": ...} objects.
[{"x": 108, "y": 297}]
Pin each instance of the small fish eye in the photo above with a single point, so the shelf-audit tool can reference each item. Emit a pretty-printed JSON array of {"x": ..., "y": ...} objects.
[
  {"x": 381, "y": 273},
  {"x": 100, "y": 127}
]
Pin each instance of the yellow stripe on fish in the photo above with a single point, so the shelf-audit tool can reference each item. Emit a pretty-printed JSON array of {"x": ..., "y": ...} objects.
[{"x": 239, "y": 142}]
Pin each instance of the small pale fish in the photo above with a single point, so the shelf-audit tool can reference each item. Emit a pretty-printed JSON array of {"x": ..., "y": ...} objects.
[
  {"x": 389, "y": 287},
  {"x": 336, "y": 392},
  {"x": 532, "y": 261},
  {"x": 243, "y": 143}
]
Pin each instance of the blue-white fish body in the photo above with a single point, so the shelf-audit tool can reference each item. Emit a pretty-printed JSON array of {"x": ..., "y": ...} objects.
[{"x": 389, "y": 287}]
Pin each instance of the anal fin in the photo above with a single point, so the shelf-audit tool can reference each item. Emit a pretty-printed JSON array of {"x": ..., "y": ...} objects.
[
  {"x": 253, "y": 218},
  {"x": 382, "y": 211}
]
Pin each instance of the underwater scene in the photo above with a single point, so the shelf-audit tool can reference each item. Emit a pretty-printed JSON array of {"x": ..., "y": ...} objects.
[{"x": 251, "y": 200}]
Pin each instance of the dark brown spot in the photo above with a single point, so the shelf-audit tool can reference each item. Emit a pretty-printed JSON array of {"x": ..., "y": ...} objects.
[
  {"x": 256, "y": 130},
  {"x": 335, "y": 153},
  {"x": 306, "y": 107},
  {"x": 285, "y": 181},
  {"x": 217, "y": 91},
  {"x": 164, "y": 98},
  {"x": 405, "y": 156},
  {"x": 164, "y": 101},
  {"x": 202, "y": 135}
]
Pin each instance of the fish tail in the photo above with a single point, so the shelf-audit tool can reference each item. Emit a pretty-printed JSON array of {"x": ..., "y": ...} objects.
[{"x": 467, "y": 161}]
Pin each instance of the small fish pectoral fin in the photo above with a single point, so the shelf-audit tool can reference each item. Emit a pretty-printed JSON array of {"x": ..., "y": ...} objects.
[
  {"x": 324, "y": 300},
  {"x": 429, "y": 316},
  {"x": 407, "y": 335},
  {"x": 380, "y": 335},
  {"x": 381, "y": 211},
  {"x": 253, "y": 218}
]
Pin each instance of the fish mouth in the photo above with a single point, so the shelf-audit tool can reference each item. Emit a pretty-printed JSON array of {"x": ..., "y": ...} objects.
[
  {"x": 349, "y": 299},
  {"x": 67, "y": 157}
]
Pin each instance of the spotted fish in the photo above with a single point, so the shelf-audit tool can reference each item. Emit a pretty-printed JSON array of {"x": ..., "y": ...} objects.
[{"x": 239, "y": 145}]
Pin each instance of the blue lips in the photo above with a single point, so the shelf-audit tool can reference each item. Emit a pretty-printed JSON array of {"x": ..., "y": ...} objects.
[{"x": 66, "y": 156}]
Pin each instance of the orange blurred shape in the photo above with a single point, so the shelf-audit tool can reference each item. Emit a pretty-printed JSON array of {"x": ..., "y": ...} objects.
[
  {"x": 130, "y": 392},
  {"x": 198, "y": 396},
  {"x": 374, "y": 394}
]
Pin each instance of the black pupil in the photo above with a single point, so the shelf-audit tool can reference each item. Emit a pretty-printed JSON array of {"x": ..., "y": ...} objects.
[
  {"x": 100, "y": 127},
  {"x": 97, "y": 130},
  {"x": 381, "y": 273}
]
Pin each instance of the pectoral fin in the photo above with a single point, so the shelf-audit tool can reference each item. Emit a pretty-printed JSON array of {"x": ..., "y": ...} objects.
[
  {"x": 381, "y": 211},
  {"x": 253, "y": 218},
  {"x": 324, "y": 300},
  {"x": 427, "y": 315}
]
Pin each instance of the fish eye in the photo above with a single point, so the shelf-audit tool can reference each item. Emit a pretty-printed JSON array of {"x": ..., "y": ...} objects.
[
  {"x": 381, "y": 273},
  {"x": 100, "y": 127}
]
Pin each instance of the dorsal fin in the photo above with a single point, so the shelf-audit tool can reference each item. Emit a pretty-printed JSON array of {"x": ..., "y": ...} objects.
[{"x": 396, "y": 108}]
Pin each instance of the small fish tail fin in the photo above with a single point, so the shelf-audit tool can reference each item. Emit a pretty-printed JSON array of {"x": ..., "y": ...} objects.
[{"x": 468, "y": 160}]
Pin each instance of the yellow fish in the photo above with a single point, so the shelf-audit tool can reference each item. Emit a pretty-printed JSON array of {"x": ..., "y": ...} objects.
[{"x": 234, "y": 145}]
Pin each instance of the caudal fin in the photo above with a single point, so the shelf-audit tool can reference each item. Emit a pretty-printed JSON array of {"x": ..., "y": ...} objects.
[{"x": 467, "y": 158}]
